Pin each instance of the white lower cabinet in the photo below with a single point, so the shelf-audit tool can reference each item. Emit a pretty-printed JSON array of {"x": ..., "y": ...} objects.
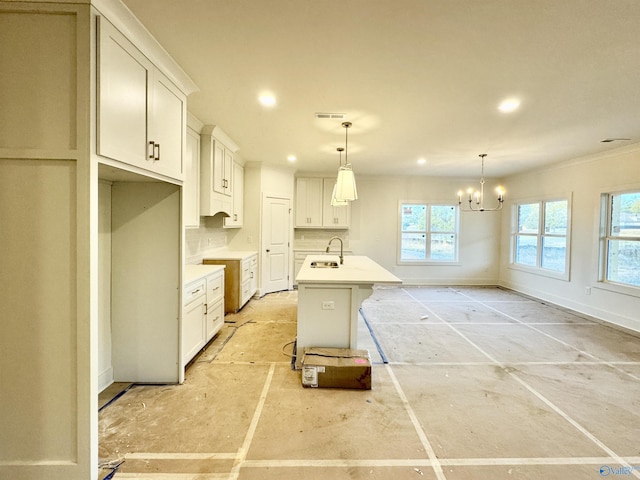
[
  {"x": 192, "y": 320},
  {"x": 215, "y": 305},
  {"x": 203, "y": 315}
]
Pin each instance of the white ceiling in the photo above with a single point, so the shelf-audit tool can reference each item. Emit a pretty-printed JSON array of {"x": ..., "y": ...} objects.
[{"x": 417, "y": 78}]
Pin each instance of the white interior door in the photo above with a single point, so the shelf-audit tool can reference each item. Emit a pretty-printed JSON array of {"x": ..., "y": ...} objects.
[{"x": 276, "y": 233}]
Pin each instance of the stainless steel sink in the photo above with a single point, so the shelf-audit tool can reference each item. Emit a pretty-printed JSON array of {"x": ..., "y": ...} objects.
[{"x": 324, "y": 264}]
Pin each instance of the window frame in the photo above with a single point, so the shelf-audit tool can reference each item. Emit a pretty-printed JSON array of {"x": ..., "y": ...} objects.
[
  {"x": 428, "y": 232},
  {"x": 538, "y": 269},
  {"x": 606, "y": 207}
]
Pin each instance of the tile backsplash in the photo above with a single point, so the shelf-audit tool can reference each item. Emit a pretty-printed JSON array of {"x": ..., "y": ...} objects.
[
  {"x": 318, "y": 238},
  {"x": 200, "y": 241}
]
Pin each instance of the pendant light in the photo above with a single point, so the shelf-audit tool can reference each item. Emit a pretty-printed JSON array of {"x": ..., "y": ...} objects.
[
  {"x": 334, "y": 201},
  {"x": 346, "y": 183}
]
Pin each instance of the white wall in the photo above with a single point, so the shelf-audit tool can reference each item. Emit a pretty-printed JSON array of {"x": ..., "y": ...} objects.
[
  {"x": 105, "y": 365},
  {"x": 586, "y": 178},
  {"x": 374, "y": 229}
]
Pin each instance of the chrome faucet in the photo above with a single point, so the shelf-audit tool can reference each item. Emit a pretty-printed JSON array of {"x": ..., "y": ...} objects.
[{"x": 341, "y": 248}]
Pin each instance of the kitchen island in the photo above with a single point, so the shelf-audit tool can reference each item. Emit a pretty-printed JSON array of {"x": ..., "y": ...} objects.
[{"x": 329, "y": 299}]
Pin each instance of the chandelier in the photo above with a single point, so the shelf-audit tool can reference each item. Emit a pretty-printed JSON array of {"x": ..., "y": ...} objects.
[
  {"x": 345, "y": 190},
  {"x": 476, "y": 197}
]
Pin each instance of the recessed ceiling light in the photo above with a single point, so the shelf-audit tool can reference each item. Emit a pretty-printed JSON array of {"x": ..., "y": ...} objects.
[
  {"x": 267, "y": 99},
  {"x": 292, "y": 158},
  {"x": 509, "y": 105},
  {"x": 421, "y": 161}
]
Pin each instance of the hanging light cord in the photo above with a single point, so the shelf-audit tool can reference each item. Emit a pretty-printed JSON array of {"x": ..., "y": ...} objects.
[{"x": 346, "y": 126}]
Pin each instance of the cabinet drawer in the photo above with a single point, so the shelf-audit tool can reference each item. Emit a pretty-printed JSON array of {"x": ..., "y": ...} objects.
[
  {"x": 194, "y": 290},
  {"x": 246, "y": 292},
  {"x": 215, "y": 318},
  {"x": 246, "y": 271},
  {"x": 215, "y": 288}
]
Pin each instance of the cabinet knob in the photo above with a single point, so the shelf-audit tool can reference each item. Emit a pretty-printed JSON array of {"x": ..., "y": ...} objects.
[{"x": 268, "y": 250}]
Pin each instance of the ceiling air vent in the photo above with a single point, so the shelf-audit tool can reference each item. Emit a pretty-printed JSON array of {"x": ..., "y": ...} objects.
[{"x": 338, "y": 116}]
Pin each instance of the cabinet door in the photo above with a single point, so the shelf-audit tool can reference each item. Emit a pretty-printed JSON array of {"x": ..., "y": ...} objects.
[
  {"x": 333, "y": 217},
  {"x": 254, "y": 274},
  {"x": 309, "y": 202},
  {"x": 191, "y": 185},
  {"x": 167, "y": 127},
  {"x": 236, "y": 219},
  {"x": 123, "y": 74},
  {"x": 218, "y": 167},
  {"x": 193, "y": 328},
  {"x": 228, "y": 172}
]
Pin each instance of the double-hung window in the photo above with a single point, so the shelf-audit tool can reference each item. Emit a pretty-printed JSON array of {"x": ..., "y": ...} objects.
[
  {"x": 620, "y": 241},
  {"x": 541, "y": 237},
  {"x": 428, "y": 233}
]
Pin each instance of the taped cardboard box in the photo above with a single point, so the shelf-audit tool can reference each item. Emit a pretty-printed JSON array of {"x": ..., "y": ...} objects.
[{"x": 336, "y": 368}]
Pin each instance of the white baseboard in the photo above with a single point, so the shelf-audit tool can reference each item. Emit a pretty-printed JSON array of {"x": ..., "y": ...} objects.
[
  {"x": 604, "y": 316},
  {"x": 105, "y": 379}
]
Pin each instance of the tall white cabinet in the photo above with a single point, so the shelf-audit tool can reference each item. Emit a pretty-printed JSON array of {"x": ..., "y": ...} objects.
[{"x": 61, "y": 131}]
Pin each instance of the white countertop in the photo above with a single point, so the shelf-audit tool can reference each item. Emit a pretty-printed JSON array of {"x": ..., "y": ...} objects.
[
  {"x": 355, "y": 270},
  {"x": 195, "y": 272},
  {"x": 225, "y": 254}
]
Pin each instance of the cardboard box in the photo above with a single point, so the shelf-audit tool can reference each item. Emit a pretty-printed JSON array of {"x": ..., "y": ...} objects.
[{"x": 336, "y": 368}]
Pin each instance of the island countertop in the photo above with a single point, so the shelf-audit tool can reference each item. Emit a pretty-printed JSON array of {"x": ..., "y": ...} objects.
[{"x": 355, "y": 270}]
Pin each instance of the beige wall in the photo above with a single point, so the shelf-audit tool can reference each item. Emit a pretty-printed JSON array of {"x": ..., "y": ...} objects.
[
  {"x": 585, "y": 179},
  {"x": 374, "y": 229}
]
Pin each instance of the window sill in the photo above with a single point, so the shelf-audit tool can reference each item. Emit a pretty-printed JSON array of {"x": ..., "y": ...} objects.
[
  {"x": 540, "y": 271},
  {"x": 618, "y": 288},
  {"x": 428, "y": 263}
]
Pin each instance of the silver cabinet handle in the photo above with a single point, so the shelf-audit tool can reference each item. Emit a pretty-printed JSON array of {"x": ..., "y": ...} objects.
[
  {"x": 157, "y": 152},
  {"x": 152, "y": 151}
]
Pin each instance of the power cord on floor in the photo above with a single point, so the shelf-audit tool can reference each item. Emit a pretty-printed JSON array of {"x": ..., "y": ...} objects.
[{"x": 285, "y": 346}]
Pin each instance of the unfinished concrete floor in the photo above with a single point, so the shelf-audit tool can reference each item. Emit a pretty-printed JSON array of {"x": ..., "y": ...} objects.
[{"x": 479, "y": 384}]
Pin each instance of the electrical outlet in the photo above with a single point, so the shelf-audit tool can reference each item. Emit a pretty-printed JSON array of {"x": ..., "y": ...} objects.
[
  {"x": 328, "y": 305},
  {"x": 587, "y": 290}
]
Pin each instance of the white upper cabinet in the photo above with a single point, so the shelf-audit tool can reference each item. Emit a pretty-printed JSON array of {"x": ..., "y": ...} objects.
[
  {"x": 309, "y": 202},
  {"x": 237, "y": 215},
  {"x": 216, "y": 171},
  {"x": 313, "y": 205},
  {"x": 141, "y": 113},
  {"x": 333, "y": 217},
  {"x": 167, "y": 133}
]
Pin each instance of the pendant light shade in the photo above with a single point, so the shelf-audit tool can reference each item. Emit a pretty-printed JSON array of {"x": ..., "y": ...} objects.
[
  {"x": 345, "y": 189},
  {"x": 334, "y": 201},
  {"x": 346, "y": 185}
]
